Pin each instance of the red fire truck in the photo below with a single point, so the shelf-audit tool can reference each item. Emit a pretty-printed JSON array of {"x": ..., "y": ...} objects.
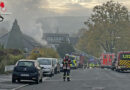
[{"x": 106, "y": 60}]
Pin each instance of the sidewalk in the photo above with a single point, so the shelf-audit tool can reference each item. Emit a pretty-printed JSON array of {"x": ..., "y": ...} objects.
[{"x": 5, "y": 78}]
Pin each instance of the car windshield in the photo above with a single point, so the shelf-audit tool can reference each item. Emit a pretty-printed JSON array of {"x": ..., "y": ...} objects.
[
  {"x": 54, "y": 61},
  {"x": 44, "y": 61},
  {"x": 26, "y": 63},
  {"x": 124, "y": 56}
]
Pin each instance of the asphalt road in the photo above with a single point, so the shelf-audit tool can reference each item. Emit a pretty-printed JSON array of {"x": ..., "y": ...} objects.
[{"x": 90, "y": 79}]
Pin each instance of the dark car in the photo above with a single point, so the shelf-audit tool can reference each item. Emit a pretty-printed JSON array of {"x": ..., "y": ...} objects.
[{"x": 27, "y": 70}]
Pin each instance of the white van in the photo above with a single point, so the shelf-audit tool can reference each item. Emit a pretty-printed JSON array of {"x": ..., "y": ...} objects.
[
  {"x": 47, "y": 66},
  {"x": 56, "y": 65}
]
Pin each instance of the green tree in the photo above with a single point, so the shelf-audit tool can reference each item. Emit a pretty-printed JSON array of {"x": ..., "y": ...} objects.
[
  {"x": 43, "y": 52},
  {"x": 9, "y": 57},
  {"x": 65, "y": 48},
  {"x": 1, "y": 47},
  {"x": 107, "y": 23}
]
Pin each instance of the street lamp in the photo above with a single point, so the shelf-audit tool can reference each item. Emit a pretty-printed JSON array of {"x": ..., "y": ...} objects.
[{"x": 129, "y": 15}]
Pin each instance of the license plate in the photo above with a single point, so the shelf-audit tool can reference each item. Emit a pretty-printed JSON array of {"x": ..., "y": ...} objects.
[{"x": 25, "y": 75}]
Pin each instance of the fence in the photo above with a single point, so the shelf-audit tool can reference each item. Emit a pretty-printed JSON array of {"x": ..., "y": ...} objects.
[{"x": 9, "y": 68}]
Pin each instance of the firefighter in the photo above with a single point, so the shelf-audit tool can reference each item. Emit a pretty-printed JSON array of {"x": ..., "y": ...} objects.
[{"x": 66, "y": 68}]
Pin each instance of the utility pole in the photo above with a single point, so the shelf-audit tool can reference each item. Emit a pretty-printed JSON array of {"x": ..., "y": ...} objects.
[{"x": 129, "y": 15}]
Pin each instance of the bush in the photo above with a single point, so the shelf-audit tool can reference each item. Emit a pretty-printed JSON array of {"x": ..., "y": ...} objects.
[
  {"x": 9, "y": 57},
  {"x": 43, "y": 52}
]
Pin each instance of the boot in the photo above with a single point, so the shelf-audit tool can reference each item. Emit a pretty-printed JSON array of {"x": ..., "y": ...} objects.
[
  {"x": 63, "y": 78},
  {"x": 68, "y": 79}
]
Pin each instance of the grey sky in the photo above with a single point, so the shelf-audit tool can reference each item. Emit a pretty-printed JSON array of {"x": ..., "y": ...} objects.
[{"x": 28, "y": 11}]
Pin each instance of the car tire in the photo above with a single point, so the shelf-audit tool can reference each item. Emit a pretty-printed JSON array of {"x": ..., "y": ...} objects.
[
  {"x": 55, "y": 71},
  {"x": 50, "y": 75},
  {"x": 118, "y": 70},
  {"x": 41, "y": 80},
  {"x": 37, "y": 81},
  {"x": 13, "y": 80},
  {"x": 19, "y": 80}
]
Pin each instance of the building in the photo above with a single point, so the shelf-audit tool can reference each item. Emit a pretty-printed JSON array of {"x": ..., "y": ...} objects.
[
  {"x": 54, "y": 39},
  {"x": 15, "y": 39}
]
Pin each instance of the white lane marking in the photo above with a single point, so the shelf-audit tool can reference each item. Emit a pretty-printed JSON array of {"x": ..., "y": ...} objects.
[
  {"x": 27, "y": 84},
  {"x": 20, "y": 87},
  {"x": 98, "y": 88}
]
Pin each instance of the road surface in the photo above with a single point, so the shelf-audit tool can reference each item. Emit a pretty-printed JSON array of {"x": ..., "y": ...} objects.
[{"x": 89, "y": 79}]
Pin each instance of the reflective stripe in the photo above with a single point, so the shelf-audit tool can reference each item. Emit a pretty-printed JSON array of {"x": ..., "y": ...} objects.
[
  {"x": 66, "y": 64},
  {"x": 125, "y": 63}
]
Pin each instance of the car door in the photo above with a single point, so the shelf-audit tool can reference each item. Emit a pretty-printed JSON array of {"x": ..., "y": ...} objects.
[
  {"x": 53, "y": 66},
  {"x": 40, "y": 71}
]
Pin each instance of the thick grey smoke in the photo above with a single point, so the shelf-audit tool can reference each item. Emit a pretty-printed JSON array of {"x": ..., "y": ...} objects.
[{"x": 27, "y": 12}]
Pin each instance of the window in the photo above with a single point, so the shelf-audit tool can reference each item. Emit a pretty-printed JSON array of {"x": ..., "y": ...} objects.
[{"x": 26, "y": 63}]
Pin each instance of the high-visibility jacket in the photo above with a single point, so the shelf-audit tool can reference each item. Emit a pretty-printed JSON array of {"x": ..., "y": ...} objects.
[
  {"x": 73, "y": 63},
  {"x": 66, "y": 64}
]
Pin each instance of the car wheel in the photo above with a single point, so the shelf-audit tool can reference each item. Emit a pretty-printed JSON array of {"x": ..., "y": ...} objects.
[
  {"x": 37, "y": 81},
  {"x": 50, "y": 75},
  {"x": 118, "y": 70},
  {"x": 55, "y": 71},
  {"x": 13, "y": 80},
  {"x": 41, "y": 80},
  {"x": 58, "y": 71},
  {"x": 19, "y": 80}
]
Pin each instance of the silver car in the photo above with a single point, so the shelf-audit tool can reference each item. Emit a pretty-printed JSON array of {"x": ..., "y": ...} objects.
[{"x": 47, "y": 66}]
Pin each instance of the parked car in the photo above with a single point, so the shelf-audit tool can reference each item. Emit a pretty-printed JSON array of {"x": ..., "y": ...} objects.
[
  {"x": 56, "y": 65},
  {"x": 47, "y": 66},
  {"x": 27, "y": 70}
]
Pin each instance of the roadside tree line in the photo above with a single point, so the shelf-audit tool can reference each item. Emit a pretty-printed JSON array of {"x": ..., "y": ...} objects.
[
  {"x": 108, "y": 30},
  {"x": 11, "y": 56}
]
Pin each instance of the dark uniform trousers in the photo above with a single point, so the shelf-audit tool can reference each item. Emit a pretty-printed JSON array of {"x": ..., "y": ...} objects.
[{"x": 66, "y": 74}]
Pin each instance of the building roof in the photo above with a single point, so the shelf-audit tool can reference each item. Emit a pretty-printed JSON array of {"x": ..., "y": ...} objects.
[
  {"x": 54, "y": 35},
  {"x": 15, "y": 39}
]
